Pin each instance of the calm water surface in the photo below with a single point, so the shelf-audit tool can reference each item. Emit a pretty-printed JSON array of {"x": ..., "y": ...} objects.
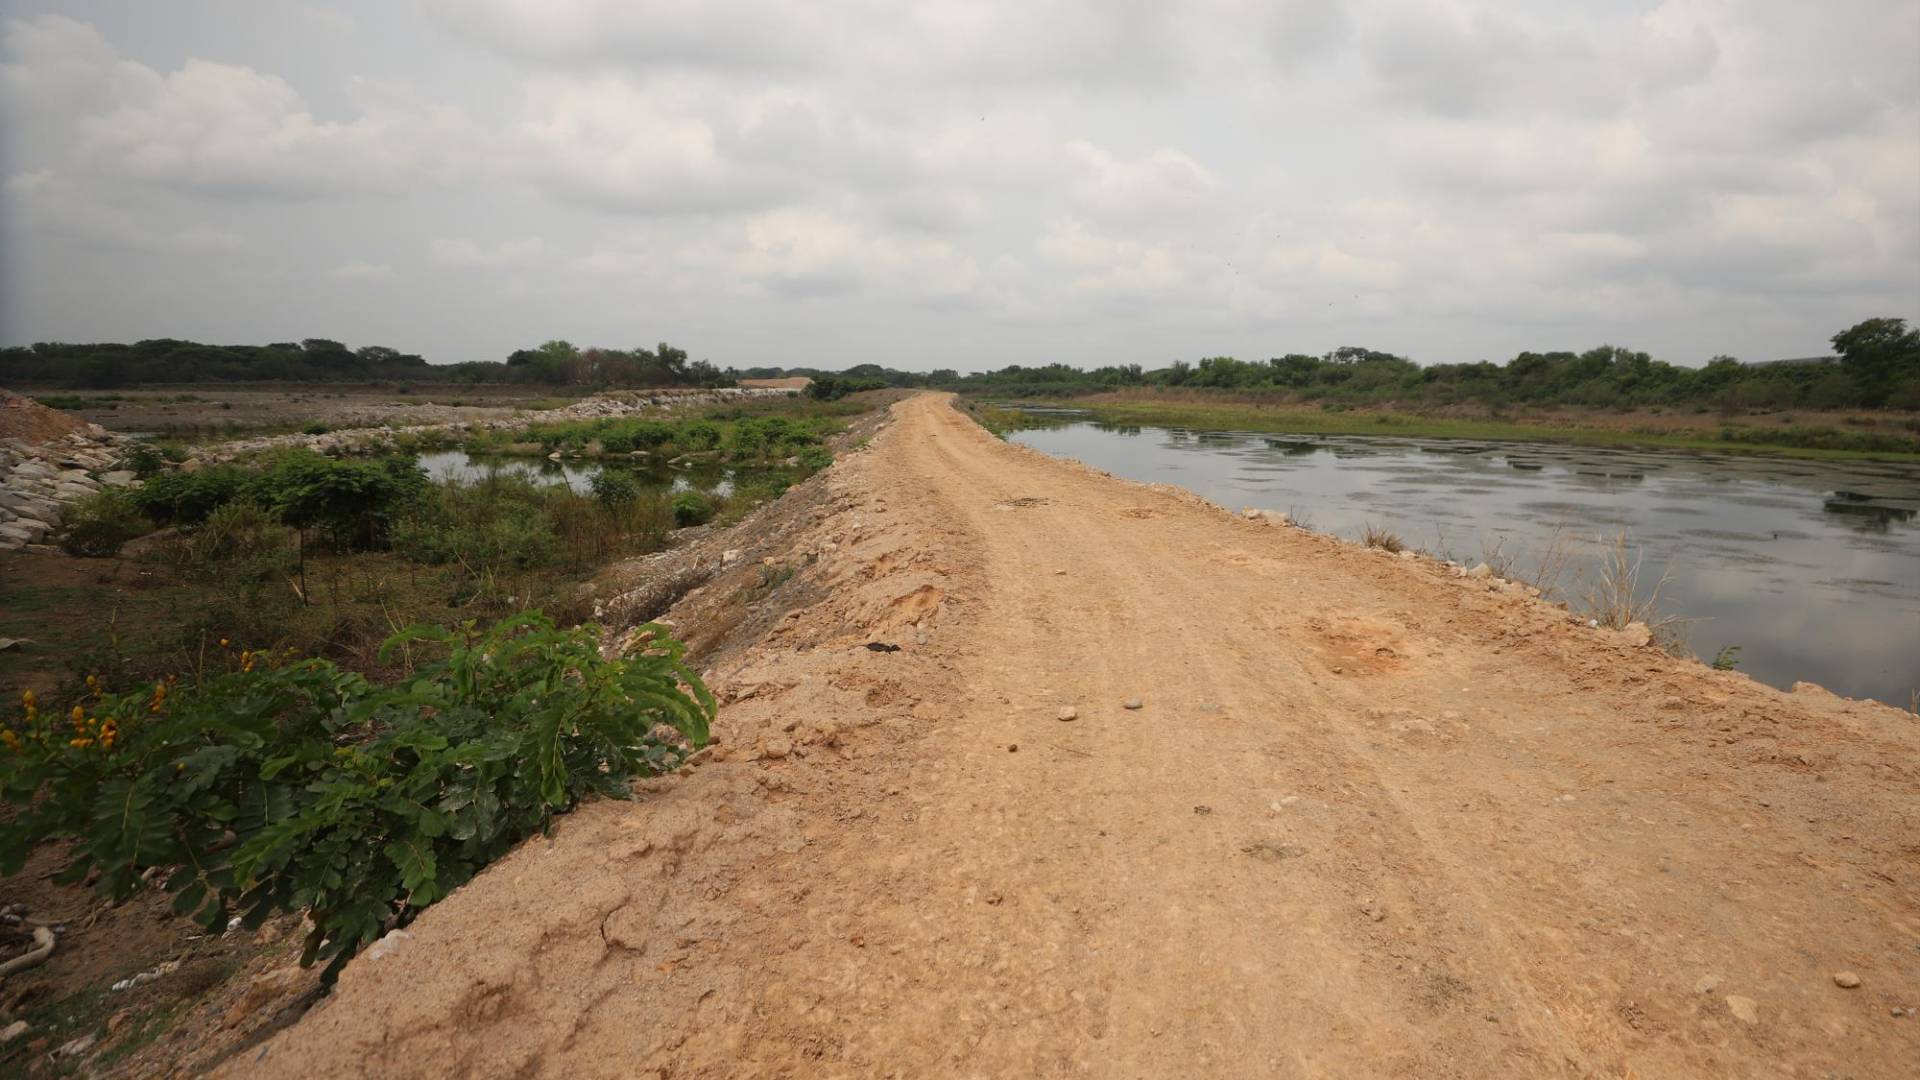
[
  {"x": 578, "y": 475},
  {"x": 1811, "y": 568}
]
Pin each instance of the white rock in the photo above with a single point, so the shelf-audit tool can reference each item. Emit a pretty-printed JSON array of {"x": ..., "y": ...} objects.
[{"x": 386, "y": 945}]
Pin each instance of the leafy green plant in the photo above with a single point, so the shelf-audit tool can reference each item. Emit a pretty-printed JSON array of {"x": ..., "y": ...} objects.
[
  {"x": 315, "y": 428},
  {"x": 186, "y": 498},
  {"x": 145, "y": 459},
  {"x": 691, "y": 508},
  {"x": 505, "y": 534},
  {"x": 302, "y": 787},
  {"x": 1727, "y": 659},
  {"x": 700, "y": 435},
  {"x": 100, "y": 524},
  {"x": 612, "y": 487},
  {"x": 237, "y": 530},
  {"x": 352, "y": 502}
]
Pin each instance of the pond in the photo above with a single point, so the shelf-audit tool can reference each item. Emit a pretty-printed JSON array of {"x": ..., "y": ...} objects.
[
  {"x": 1810, "y": 568},
  {"x": 575, "y": 473}
]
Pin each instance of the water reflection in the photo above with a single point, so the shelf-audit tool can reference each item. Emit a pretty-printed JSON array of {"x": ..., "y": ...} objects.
[
  {"x": 1812, "y": 568},
  {"x": 578, "y": 475}
]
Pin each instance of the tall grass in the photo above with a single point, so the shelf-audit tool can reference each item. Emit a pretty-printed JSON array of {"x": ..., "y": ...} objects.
[
  {"x": 1610, "y": 588},
  {"x": 1618, "y": 594}
]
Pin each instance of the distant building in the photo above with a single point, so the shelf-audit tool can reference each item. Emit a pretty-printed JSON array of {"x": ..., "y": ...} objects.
[{"x": 798, "y": 382}]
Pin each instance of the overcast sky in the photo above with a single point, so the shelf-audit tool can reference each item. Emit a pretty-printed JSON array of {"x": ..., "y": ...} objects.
[{"x": 968, "y": 183}]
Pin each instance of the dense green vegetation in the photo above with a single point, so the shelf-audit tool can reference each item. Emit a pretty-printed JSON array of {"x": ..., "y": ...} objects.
[
  {"x": 273, "y": 784},
  {"x": 737, "y": 434},
  {"x": 330, "y": 555},
  {"x": 1877, "y": 365},
  {"x": 168, "y": 360},
  {"x": 1796, "y": 440}
]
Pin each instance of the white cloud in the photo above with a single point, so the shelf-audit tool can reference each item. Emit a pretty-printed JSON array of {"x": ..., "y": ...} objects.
[
  {"x": 805, "y": 252},
  {"x": 1089, "y": 180},
  {"x": 1163, "y": 182},
  {"x": 219, "y": 129},
  {"x": 361, "y": 270},
  {"x": 463, "y": 253}
]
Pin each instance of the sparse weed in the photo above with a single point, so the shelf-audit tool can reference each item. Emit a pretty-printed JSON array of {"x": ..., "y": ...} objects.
[
  {"x": 100, "y": 524},
  {"x": 1375, "y": 537},
  {"x": 1616, "y": 598}
]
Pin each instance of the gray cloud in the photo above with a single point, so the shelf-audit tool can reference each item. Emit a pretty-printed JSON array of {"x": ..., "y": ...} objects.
[{"x": 964, "y": 183}]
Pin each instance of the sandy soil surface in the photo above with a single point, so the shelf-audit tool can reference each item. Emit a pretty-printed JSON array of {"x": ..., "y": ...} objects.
[{"x": 1369, "y": 820}]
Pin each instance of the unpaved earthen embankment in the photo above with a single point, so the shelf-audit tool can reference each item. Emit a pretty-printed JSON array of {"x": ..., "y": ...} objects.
[{"x": 1371, "y": 819}]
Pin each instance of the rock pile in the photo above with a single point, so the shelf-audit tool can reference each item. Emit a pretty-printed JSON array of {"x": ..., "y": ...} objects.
[
  {"x": 354, "y": 440},
  {"x": 38, "y": 477}
]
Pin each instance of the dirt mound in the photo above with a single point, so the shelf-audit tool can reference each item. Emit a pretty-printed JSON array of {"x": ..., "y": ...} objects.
[{"x": 25, "y": 419}]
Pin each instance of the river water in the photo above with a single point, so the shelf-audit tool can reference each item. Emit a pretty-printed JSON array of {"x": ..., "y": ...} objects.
[{"x": 1812, "y": 569}]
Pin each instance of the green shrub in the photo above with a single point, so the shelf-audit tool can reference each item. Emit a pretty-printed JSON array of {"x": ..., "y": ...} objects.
[
  {"x": 315, "y": 428},
  {"x": 101, "y": 524},
  {"x": 237, "y": 530},
  {"x": 764, "y": 487},
  {"x": 613, "y": 487},
  {"x": 144, "y": 460},
  {"x": 814, "y": 458},
  {"x": 691, "y": 508},
  {"x": 507, "y": 535},
  {"x": 304, "y": 788},
  {"x": 700, "y": 435},
  {"x": 186, "y": 498},
  {"x": 352, "y": 502}
]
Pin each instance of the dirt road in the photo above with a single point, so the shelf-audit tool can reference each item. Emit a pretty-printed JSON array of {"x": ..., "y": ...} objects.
[{"x": 1370, "y": 820}]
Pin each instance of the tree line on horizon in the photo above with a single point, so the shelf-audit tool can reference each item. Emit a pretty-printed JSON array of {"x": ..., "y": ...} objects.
[
  {"x": 170, "y": 360},
  {"x": 1876, "y": 365}
]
